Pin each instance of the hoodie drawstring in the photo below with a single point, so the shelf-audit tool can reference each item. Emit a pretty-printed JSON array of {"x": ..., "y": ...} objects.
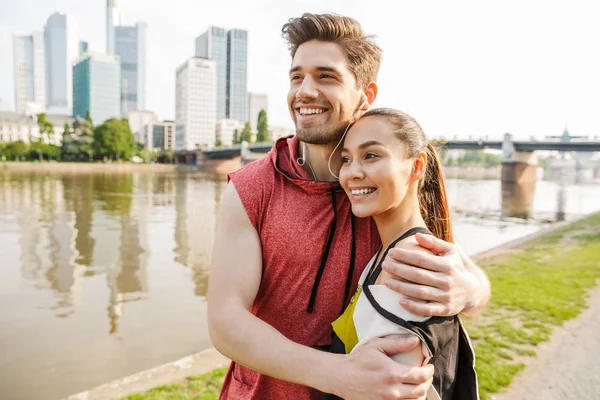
[{"x": 325, "y": 255}]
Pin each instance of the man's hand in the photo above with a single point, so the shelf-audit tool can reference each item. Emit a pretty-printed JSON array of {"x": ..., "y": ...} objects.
[
  {"x": 370, "y": 373},
  {"x": 438, "y": 284}
]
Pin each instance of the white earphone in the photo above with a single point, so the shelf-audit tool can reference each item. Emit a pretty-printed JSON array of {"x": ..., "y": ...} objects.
[
  {"x": 365, "y": 103},
  {"x": 364, "y": 106}
]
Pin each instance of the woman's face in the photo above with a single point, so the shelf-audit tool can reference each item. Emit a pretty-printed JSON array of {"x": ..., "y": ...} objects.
[{"x": 376, "y": 170}]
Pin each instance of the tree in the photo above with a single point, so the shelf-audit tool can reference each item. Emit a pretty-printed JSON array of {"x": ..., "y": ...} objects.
[
  {"x": 46, "y": 127},
  {"x": 170, "y": 154},
  {"x": 69, "y": 148},
  {"x": 84, "y": 137},
  {"x": 218, "y": 143},
  {"x": 36, "y": 150},
  {"x": 88, "y": 117},
  {"x": 246, "y": 133},
  {"x": 16, "y": 149},
  {"x": 236, "y": 137},
  {"x": 262, "y": 127},
  {"x": 114, "y": 140}
]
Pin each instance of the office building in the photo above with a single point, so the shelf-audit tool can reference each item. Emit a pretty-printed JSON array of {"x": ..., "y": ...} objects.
[
  {"x": 29, "y": 70},
  {"x": 229, "y": 50},
  {"x": 225, "y": 132},
  {"x": 15, "y": 127},
  {"x": 237, "y": 66},
  {"x": 96, "y": 87},
  {"x": 62, "y": 50},
  {"x": 83, "y": 49},
  {"x": 256, "y": 103},
  {"x": 113, "y": 19},
  {"x": 195, "y": 104},
  {"x": 212, "y": 45},
  {"x": 130, "y": 46},
  {"x": 129, "y": 43},
  {"x": 163, "y": 136},
  {"x": 139, "y": 122}
]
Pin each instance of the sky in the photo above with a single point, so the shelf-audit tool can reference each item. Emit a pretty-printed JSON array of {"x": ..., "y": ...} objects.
[{"x": 462, "y": 68}]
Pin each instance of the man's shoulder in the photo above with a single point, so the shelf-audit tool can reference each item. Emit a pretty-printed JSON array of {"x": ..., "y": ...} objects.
[
  {"x": 254, "y": 184},
  {"x": 255, "y": 170}
]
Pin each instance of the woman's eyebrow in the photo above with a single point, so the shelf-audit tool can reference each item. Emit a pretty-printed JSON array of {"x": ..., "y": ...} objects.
[{"x": 370, "y": 143}]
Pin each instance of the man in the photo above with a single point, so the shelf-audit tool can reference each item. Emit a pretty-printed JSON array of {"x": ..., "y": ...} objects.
[{"x": 288, "y": 252}]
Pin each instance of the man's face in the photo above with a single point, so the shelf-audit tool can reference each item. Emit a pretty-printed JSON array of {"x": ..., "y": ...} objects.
[{"x": 323, "y": 96}]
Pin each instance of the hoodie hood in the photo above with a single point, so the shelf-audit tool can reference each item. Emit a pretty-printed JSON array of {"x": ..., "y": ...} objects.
[{"x": 284, "y": 155}]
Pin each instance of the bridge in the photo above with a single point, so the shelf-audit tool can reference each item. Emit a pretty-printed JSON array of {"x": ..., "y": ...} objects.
[
  {"x": 524, "y": 146},
  {"x": 519, "y": 163}
]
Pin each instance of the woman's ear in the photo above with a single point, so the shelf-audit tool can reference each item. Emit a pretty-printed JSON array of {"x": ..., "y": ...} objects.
[{"x": 419, "y": 166}]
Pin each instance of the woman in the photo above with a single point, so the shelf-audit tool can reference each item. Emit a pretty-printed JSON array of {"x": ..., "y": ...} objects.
[{"x": 391, "y": 173}]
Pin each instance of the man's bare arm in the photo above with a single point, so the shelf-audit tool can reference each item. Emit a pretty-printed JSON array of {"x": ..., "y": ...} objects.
[
  {"x": 483, "y": 292},
  {"x": 444, "y": 283},
  {"x": 241, "y": 336}
]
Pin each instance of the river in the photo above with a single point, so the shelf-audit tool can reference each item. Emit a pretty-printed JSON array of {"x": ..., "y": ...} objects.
[{"x": 104, "y": 274}]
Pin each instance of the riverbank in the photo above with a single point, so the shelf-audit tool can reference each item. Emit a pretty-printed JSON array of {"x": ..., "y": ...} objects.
[
  {"x": 536, "y": 287},
  {"x": 81, "y": 167},
  {"x": 49, "y": 167},
  {"x": 538, "y": 283}
]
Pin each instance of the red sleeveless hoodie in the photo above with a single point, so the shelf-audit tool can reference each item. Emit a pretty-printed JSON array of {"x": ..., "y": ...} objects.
[{"x": 313, "y": 251}]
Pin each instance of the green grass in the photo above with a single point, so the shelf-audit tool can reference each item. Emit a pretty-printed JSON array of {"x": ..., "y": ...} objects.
[
  {"x": 539, "y": 286},
  {"x": 200, "y": 387},
  {"x": 534, "y": 289}
]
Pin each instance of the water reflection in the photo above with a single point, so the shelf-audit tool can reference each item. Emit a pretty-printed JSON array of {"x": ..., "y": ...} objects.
[
  {"x": 561, "y": 203},
  {"x": 517, "y": 199},
  {"x": 76, "y": 226},
  {"x": 195, "y": 225}
]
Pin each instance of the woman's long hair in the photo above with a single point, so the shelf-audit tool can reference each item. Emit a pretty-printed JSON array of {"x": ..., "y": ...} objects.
[{"x": 433, "y": 201}]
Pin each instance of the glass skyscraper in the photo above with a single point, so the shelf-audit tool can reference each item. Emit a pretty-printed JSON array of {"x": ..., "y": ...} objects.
[
  {"x": 130, "y": 46},
  {"x": 212, "y": 45},
  {"x": 237, "y": 66},
  {"x": 129, "y": 43},
  {"x": 97, "y": 87},
  {"x": 113, "y": 19},
  {"x": 28, "y": 56},
  {"x": 61, "y": 51},
  {"x": 229, "y": 50}
]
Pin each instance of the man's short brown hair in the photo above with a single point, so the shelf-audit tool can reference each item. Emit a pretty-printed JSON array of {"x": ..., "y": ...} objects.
[{"x": 363, "y": 55}]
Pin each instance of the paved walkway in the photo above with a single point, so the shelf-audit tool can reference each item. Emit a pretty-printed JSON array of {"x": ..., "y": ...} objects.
[{"x": 568, "y": 366}]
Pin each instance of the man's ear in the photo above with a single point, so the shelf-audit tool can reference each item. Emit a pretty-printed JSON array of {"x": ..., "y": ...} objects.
[{"x": 371, "y": 93}]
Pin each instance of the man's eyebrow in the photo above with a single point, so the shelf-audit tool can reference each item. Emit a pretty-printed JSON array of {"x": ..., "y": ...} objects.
[
  {"x": 320, "y": 69},
  {"x": 329, "y": 69}
]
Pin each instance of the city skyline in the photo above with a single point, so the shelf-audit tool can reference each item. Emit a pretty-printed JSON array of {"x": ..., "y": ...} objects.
[{"x": 526, "y": 69}]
